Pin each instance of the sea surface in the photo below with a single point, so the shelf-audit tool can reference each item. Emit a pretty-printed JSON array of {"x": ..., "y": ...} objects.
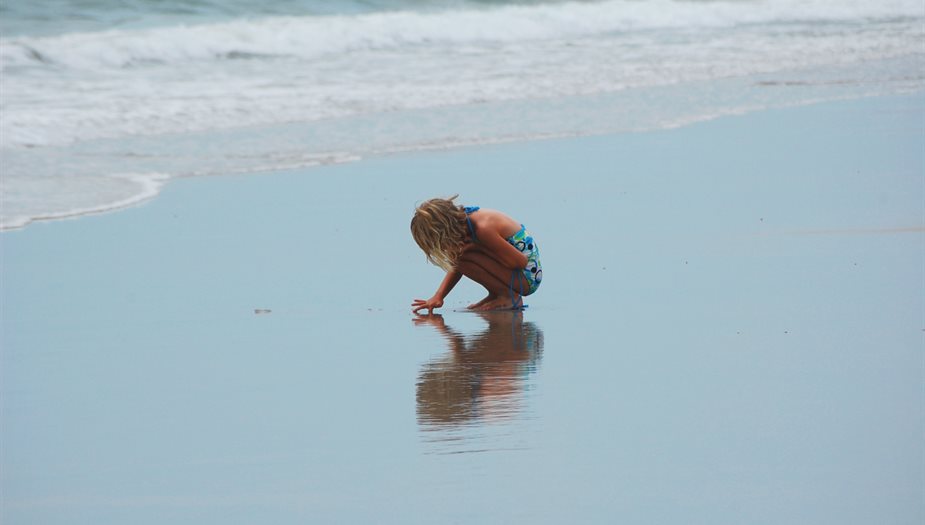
[{"x": 103, "y": 102}]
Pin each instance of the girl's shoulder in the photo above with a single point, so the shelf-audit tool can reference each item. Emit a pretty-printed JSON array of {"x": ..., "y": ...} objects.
[{"x": 483, "y": 215}]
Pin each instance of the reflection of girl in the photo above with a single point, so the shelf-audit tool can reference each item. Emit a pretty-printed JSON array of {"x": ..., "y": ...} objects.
[
  {"x": 482, "y": 376},
  {"x": 486, "y": 246}
]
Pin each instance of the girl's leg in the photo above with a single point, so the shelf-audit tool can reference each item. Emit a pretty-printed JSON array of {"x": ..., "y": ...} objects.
[{"x": 494, "y": 276}]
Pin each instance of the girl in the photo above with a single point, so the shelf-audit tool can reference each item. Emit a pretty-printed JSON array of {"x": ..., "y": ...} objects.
[{"x": 486, "y": 246}]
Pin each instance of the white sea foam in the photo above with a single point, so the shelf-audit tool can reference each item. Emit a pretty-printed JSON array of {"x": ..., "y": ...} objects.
[
  {"x": 311, "y": 37},
  {"x": 124, "y": 190},
  {"x": 84, "y": 86}
]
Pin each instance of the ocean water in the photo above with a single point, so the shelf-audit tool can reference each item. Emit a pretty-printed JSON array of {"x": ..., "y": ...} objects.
[{"x": 103, "y": 102}]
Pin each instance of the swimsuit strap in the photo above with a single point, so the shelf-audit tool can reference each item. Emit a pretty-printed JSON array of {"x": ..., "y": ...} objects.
[
  {"x": 468, "y": 210},
  {"x": 514, "y": 302}
]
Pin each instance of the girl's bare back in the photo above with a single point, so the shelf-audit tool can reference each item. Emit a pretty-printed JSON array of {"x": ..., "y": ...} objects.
[{"x": 494, "y": 220}]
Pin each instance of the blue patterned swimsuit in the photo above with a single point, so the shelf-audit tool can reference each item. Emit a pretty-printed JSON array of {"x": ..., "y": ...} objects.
[{"x": 523, "y": 241}]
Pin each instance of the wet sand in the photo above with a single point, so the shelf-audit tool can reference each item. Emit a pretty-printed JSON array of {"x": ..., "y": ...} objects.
[{"x": 730, "y": 330}]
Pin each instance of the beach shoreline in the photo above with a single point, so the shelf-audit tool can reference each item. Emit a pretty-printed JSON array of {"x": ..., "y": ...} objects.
[
  {"x": 147, "y": 183},
  {"x": 103, "y": 175}
]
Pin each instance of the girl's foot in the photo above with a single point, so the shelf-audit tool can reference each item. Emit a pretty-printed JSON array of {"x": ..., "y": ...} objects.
[
  {"x": 477, "y": 306},
  {"x": 501, "y": 303}
]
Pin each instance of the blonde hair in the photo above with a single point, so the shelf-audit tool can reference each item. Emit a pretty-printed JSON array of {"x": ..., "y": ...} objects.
[{"x": 439, "y": 228}]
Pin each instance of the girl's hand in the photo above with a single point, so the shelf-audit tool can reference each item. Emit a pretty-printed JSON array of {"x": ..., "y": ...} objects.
[{"x": 420, "y": 304}]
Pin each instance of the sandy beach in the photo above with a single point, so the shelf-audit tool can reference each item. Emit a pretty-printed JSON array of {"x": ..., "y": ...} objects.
[{"x": 730, "y": 330}]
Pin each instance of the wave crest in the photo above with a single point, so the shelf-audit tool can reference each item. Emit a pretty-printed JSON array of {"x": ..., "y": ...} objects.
[{"x": 313, "y": 36}]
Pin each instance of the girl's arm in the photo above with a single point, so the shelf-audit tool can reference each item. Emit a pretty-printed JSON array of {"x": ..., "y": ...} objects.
[{"x": 452, "y": 277}]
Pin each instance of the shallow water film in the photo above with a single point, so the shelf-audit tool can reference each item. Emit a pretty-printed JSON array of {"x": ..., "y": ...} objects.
[{"x": 729, "y": 331}]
